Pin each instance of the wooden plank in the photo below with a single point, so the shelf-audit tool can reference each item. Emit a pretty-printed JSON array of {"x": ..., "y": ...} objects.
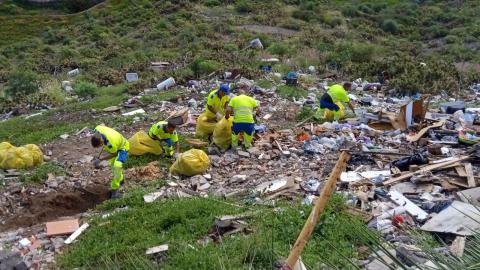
[
  {"x": 457, "y": 183},
  {"x": 459, "y": 218},
  {"x": 423, "y": 170},
  {"x": 411, "y": 208},
  {"x": 470, "y": 177},
  {"x": 424, "y": 130},
  {"x": 461, "y": 171},
  {"x": 317, "y": 210}
]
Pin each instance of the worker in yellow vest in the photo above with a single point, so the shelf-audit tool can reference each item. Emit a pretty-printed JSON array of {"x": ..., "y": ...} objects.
[
  {"x": 117, "y": 147},
  {"x": 243, "y": 108},
  {"x": 165, "y": 133},
  {"x": 217, "y": 102},
  {"x": 332, "y": 99}
]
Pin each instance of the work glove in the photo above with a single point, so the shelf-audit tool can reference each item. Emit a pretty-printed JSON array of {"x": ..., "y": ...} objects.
[{"x": 218, "y": 116}]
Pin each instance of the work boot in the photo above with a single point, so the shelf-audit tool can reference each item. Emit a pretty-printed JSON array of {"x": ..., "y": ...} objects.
[{"x": 114, "y": 194}]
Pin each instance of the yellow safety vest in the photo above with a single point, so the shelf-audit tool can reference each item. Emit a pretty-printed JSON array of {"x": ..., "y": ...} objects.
[
  {"x": 243, "y": 107},
  {"x": 113, "y": 141},
  {"x": 158, "y": 131}
]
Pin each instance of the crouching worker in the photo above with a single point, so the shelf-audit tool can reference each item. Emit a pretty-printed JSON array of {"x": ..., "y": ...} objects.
[
  {"x": 217, "y": 102},
  {"x": 165, "y": 133},
  {"x": 243, "y": 108},
  {"x": 331, "y": 102},
  {"x": 117, "y": 147}
]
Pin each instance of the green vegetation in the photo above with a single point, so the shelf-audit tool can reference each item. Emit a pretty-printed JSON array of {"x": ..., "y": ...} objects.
[
  {"x": 168, "y": 95},
  {"x": 291, "y": 92},
  {"x": 181, "y": 223},
  {"x": 85, "y": 89},
  {"x": 39, "y": 174},
  {"x": 22, "y": 83}
]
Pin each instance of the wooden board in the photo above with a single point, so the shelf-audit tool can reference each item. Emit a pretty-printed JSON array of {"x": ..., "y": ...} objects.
[
  {"x": 471, "y": 196},
  {"x": 461, "y": 171},
  {"x": 459, "y": 218},
  {"x": 470, "y": 177},
  {"x": 424, "y": 130},
  {"x": 423, "y": 170}
]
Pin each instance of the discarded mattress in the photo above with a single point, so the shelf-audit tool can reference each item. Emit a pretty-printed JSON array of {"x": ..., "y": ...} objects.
[{"x": 26, "y": 156}]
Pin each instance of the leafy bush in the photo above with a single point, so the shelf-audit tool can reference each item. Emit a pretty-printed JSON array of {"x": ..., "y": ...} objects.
[
  {"x": 244, "y": 6},
  {"x": 279, "y": 48},
  {"x": 212, "y": 3},
  {"x": 85, "y": 89},
  {"x": 22, "y": 83},
  {"x": 203, "y": 67},
  {"x": 362, "y": 52},
  {"x": 40, "y": 173},
  {"x": 390, "y": 26}
]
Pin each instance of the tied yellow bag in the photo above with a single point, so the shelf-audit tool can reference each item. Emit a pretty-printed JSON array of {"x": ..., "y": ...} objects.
[
  {"x": 205, "y": 127},
  {"x": 141, "y": 143},
  {"x": 222, "y": 135},
  {"x": 26, "y": 156},
  {"x": 191, "y": 162}
]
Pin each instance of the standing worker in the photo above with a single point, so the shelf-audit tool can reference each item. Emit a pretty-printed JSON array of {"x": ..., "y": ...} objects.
[
  {"x": 165, "y": 133},
  {"x": 117, "y": 146},
  {"x": 242, "y": 107},
  {"x": 217, "y": 102},
  {"x": 331, "y": 100}
]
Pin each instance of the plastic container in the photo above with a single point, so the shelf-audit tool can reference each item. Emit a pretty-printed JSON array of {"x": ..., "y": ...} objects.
[{"x": 166, "y": 84}]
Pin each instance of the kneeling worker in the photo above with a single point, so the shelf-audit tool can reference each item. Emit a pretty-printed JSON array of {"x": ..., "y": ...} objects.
[
  {"x": 117, "y": 146},
  {"x": 335, "y": 94},
  {"x": 242, "y": 107},
  {"x": 165, "y": 133}
]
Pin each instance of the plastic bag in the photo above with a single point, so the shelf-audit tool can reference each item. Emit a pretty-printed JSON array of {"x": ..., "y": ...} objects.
[
  {"x": 205, "y": 126},
  {"x": 222, "y": 135},
  {"x": 191, "y": 163},
  {"x": 141, "y": 144},
  {"x": 26, "y": 156}
]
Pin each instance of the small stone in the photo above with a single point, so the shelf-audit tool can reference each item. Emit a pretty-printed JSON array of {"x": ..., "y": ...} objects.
[
  {"x": 64, "y": 136},
  {"x": 255, "y": 151},
  {"x": 243, "y": 154},
  {"x": 239, "y": 178},
  {"x": 204, "y": 186},
  {"x": 208, "y": 176}
]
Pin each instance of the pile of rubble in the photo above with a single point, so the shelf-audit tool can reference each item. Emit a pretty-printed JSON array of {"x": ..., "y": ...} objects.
[{"x": 410, "y": 165}]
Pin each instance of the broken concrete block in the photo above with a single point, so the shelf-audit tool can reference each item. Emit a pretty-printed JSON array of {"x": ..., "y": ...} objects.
[
  {"x": 62, "y": 227},
  {"x": 157, "y": 249},
  {"x": 64, "y": 136},
  {"x": 148, "y": 198},
  {"x": 25, "y": 242}
]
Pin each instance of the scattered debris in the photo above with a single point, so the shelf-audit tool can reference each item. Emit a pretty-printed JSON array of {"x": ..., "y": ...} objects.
[{"x": 77, "y": 233}]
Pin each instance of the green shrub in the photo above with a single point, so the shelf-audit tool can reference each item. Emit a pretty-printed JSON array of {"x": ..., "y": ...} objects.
[
  {"x": 362, "y": 52},
  {"x": 279, "y": 48},
  {"x": 243, "y": 6},
  {"x": 390, "y": 26},
  {"x": 291, "y": 92},
  {"x": 203, "y": 67},
  {"x": 450, "y": 39},
  {"x": 85, "y": 89},
  {"x": 40, "y": 173},
  {"x": 437, "y": 31},
  {"x": 305, "y": 15},
  {"x": 22, "y": 83},
  {"x": 230, "y": 47},
  {"x": 212, "y": 3}
]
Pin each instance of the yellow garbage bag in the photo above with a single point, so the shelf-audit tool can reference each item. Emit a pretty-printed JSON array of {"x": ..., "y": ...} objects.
[
  {"x": 191, "y": 162},
  {"x": 222, "y": 135},
  {"x": 26, "y": 156},
  {"x": 205, "y": 126},
  {"x": 141, "y": 144}
]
